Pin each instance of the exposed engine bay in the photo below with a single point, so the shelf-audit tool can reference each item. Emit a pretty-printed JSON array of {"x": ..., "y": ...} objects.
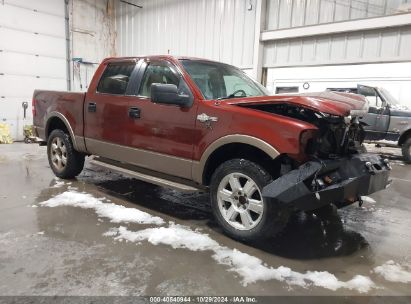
[{"x": 336, "y": 136}]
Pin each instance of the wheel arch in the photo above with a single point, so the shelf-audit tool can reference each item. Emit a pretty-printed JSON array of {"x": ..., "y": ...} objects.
[
  {"x": 404, "y": 136},
  {"x": 57, "y": 120},
  {"x": 234, "y": 146}
]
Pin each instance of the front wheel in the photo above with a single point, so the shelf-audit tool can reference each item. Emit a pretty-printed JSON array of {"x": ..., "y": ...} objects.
[
  {"x": 63, "y": 159},
  {"x": 238, "y": 204},
  {"x": 406, "y": 150}
]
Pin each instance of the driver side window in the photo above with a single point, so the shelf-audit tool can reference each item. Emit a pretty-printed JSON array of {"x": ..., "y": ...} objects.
[
  {"x": 372, "y": 97},
  {"x": 157, "y": 73},
  {"x": 374, "y": 101}
]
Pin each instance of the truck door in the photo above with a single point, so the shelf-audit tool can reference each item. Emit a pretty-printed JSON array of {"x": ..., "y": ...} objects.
[
  {"x": 106, "y": 109},
  {"x": 377, "y": 118},
  {"x": 161, "y": 137}
]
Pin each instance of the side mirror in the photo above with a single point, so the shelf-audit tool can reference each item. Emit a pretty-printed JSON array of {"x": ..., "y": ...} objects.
[{"x": 168, "y": 94}]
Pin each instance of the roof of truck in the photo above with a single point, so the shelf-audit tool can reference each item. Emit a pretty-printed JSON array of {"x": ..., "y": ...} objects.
[{"x": 111, "y": 59}]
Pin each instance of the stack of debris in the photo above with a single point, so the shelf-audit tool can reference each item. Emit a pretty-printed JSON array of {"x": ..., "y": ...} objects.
[{"x": 5, "y": 136}]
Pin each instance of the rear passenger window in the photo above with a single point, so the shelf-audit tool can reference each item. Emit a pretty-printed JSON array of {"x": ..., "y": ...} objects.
[{"x": 115, "y": 78}]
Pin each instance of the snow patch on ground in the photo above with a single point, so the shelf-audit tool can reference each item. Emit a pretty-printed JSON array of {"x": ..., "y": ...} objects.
[
  {"x": 58, "y": 184},
  {"x": 394, "y": 272},
  {"x": 116, "y": 213},
  {"x": 251, "y": 269},
  {"x": 367, "y": 199}
]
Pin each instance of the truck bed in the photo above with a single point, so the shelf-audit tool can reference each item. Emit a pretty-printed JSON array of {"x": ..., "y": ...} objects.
[{"x": 70, "y": 104}]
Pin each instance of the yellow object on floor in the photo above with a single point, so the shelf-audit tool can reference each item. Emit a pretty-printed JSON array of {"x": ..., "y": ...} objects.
[
  {"x": 28, "y": 131},
  {"x": 5, "y": 136}
]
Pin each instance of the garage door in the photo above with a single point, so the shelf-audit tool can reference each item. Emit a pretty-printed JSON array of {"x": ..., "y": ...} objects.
[{"x": 32, "y": 56}]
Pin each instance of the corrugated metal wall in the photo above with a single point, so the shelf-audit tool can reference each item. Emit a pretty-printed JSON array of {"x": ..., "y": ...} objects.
[
  {"x": 293, "y": 13},
  {"x": 384, "y": 45},
  {"x": 222, "y": 30},
  {"x": 92, "y": 38}
]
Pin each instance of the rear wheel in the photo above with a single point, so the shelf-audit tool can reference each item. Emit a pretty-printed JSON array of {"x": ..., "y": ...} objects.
[
  {"x": 63, "y": 159},
  {"x": 406, "y": 150},
  {"x": 238, "y": 204}
]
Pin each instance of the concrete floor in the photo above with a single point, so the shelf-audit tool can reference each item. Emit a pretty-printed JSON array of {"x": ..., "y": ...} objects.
[{"x": 62, "y": 250}]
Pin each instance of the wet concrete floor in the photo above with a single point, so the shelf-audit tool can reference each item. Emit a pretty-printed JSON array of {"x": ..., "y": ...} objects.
[{"x": 62, "y": 250}]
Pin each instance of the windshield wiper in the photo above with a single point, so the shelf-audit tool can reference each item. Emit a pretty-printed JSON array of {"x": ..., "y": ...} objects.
[{"x": 230, "y": 96}]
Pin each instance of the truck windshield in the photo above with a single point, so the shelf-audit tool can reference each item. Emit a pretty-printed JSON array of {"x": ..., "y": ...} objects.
[
  {"x": 221, "y": 81},
  {"x": 388, "y": 97}
]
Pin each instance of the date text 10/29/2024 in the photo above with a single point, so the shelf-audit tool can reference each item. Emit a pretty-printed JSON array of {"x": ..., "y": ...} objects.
[{"x": 203, "y": 299}]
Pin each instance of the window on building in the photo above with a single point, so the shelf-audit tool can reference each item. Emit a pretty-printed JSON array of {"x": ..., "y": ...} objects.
[
  {"x": 283, "y": 90},
  {"x": 115, "y": 78}
]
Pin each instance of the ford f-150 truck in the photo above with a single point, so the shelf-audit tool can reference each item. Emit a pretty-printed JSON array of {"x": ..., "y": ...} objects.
[{"x": 194, "y": 124}]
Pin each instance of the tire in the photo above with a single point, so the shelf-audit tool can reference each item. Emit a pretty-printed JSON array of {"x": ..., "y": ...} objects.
[
  {"x": 65, "y": 162},
  {"x": 406, "y": 150},
  {"x": 237, "y": 204}
]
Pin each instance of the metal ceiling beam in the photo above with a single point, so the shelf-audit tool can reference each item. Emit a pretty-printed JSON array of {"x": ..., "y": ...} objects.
[{"x": 337, "y": 27}]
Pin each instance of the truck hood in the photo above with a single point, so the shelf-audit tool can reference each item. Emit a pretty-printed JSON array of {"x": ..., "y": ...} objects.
[{"x": 339, "y": 104}]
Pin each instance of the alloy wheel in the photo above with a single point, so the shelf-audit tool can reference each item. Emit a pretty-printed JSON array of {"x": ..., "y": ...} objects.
[{"x": 240, "y": 201}]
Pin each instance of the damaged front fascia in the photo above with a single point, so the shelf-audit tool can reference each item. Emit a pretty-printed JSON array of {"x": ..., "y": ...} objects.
[{"x": 318, "y": 183}]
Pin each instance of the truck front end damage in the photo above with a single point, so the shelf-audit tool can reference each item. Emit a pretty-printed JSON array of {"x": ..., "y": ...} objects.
[
  {"x": 332, "y": 167},
  {"x": 341, "y": 181}
]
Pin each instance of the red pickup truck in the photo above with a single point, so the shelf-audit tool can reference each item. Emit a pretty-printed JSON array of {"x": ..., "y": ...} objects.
[{"x": 192, "y": 124}]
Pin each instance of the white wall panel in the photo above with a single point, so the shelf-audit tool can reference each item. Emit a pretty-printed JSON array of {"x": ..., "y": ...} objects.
[
  {"x": 32, "y": 56},
  {"x": 372, "y": 45},
  {"x": 54, "y": 7},
  {"x": 285, "y": 10},
  {"x": 216, "y": 29},
  {"x": 405, "y": 42},
  {"x": 390, "y": 43},
  {"x": 32, "y": 21},
  {"x": 25, "y": 42},
  {"x": 326, "y": 11},
  {"x": 295, "y": 48},
  {"x": 298, "y": 13},
  {"x": 23, "y": 86},
  {"x": 23, "y": 64},
  {"x": 337, "y": 48},
  {"x": 312, "y": 10},
  {"x": 322, "y": 49},
  {"x": 308, "y": 50},
  {"x": 354, "y": 46}
]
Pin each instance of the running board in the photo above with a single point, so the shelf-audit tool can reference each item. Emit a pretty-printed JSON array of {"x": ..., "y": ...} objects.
[{"x": 157, "y": 180}]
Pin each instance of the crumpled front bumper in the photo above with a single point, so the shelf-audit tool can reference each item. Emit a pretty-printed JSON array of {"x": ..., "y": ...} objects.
[{"x": 321, "y": 182}]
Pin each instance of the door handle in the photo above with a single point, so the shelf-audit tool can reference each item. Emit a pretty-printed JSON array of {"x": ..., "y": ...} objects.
[
  {"x": 134, "y": 112},
  {"x": 92, "y": 107}
]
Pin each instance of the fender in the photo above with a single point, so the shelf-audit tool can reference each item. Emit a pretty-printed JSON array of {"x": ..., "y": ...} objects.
[
  {"x": 198, "y": 167},
  {"x": 78, "y": 141}
]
